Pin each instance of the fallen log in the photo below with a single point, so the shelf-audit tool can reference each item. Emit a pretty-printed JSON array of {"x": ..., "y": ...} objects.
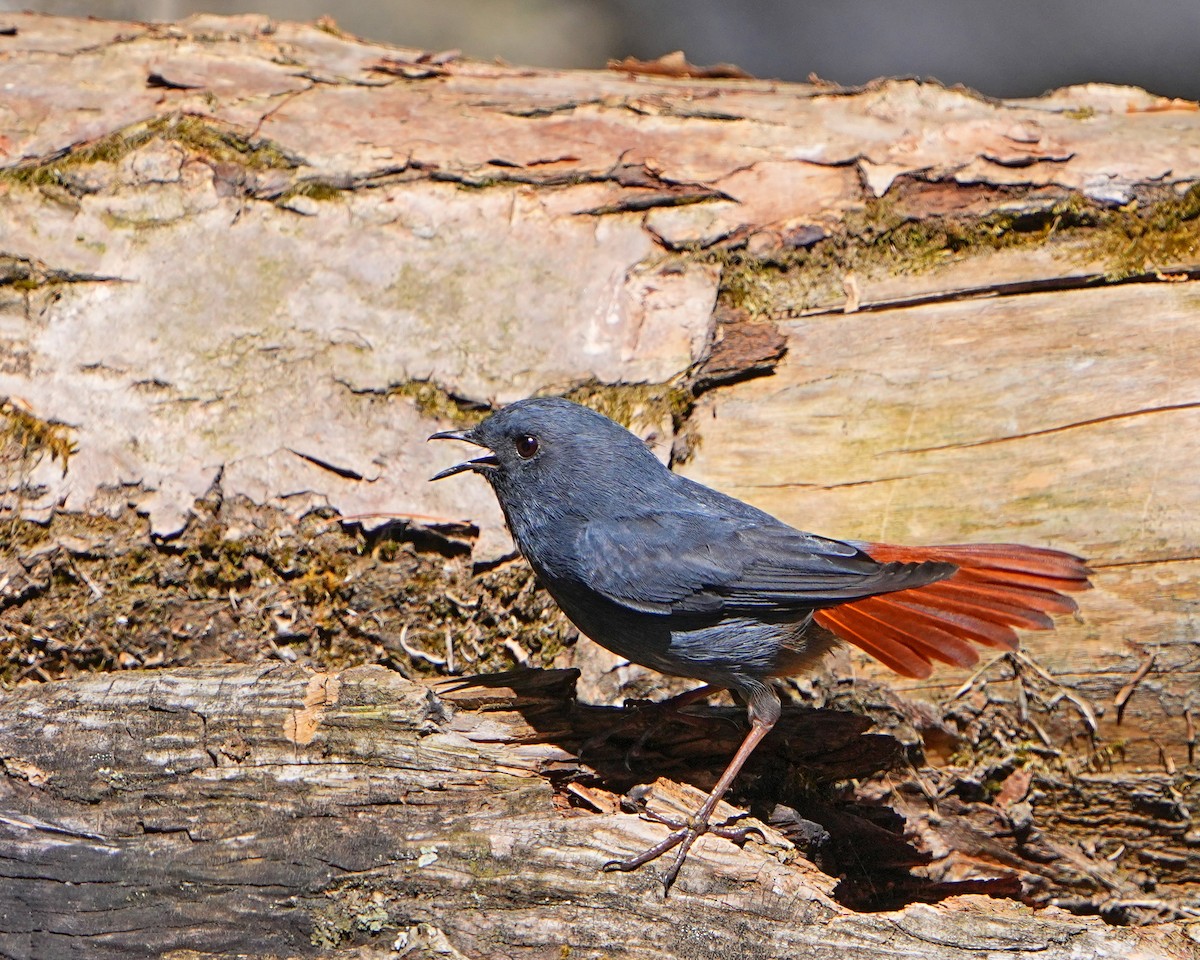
[{"x": 272, "y": 811}]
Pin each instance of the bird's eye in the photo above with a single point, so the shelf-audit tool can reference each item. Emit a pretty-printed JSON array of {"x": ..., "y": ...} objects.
[{"x": 527, "y": 445}]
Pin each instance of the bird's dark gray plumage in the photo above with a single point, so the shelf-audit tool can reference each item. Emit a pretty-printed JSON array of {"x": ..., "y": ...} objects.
[
  {"x": 691, "y": 582},
  {"x": 658, "y": 568}
]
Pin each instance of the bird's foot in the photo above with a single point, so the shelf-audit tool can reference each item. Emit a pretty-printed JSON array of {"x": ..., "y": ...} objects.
[{"x": 683, "y": 834}]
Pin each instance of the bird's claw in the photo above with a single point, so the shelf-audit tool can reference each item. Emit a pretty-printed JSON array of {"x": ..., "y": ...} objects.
[
  {"x": 683, "y": 834},
  {"x": 682, "y": 838},
  {"x": 635, "y": 802},
  {"x": 738, "y": 835},
  {"x": 671, "y": 841}
]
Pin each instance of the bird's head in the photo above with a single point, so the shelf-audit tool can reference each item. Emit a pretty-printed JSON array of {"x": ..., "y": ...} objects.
[{"x": 547, "y": 454}]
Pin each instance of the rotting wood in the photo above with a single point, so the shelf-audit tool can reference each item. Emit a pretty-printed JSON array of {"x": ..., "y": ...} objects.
[{"x": 271, "y": 811}]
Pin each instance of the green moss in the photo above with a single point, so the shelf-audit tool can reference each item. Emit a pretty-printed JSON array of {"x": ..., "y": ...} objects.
[
  {"x": 314, "y": 189},
  {"x": 98, "y": 247},
  {"x": 216, "y": 562},
  {"x": 197, "y": 134},
  {"x": 1080, "y": 113},
  {"x": 25, "y": 276},
  {"x": 437, "y": 403},
  {"x": 1142, "y": 238},
  {"x": 635, "y": 403},
  {"x": 351, "y": 910},
  {"x": 271, "y": 582},
  {"x": 1161, "y": 231},
  {"x": 326, "y": 24},
  {"x": 415, "y": 291},
  {"x": 26, "y": 438}
]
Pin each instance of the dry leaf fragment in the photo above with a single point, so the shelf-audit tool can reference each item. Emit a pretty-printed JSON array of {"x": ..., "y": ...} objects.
[
  {"x": 1014, "y": 788},
  {"x": 676, "y": 65},
  {"x": 1163, "y": 104}
]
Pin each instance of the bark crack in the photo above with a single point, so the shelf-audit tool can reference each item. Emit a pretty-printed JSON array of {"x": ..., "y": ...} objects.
[
  {"x": 346, "y": 473},
  {"x": 1084, "y": 281},
  {"x": 1090, "y": 422},
  {"x": 790, "y": 485}
]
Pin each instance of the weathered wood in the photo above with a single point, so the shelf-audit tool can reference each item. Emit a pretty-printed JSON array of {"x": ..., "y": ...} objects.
[
  {"x": 276, "y": 812},
  {"x": 374, "y": 224},
  {"x": 1068, "y": 419},
  {"x": 484, "y": 232},
  {"x": 284, "y": 256}
]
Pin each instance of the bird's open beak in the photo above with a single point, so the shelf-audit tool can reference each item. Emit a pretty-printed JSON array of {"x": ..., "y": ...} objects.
[{"x": 478, "y": 465}]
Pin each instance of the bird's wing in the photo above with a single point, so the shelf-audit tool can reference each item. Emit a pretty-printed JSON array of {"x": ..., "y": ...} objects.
[{"x": 697, "y": 562}]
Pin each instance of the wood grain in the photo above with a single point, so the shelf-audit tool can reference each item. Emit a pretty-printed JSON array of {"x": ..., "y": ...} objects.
[
  {"x": 1067, "y": 419},
  {"x": 277, "y": 812}
]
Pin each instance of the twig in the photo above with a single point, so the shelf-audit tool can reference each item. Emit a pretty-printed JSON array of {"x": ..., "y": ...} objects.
[
  {"x": 1041, "y": 733},
  {"x": 517, "y": 652},
  {"x": 97, "y": 593},
  {"x": 1024, "y": 659},
  {"x": 460, "y": 602},
  {"x": 1085, "y": 711},
  {"x": 973, "y": 679},
  {"x": 418, "y": 654},
  {"x": 1165, "y": 758},
  {"x": 451, "y": 666},
  {"x": 1126, "y": 691}
]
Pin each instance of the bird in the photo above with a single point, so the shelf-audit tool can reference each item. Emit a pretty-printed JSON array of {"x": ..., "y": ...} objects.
[{"x": 679, "y": 577}]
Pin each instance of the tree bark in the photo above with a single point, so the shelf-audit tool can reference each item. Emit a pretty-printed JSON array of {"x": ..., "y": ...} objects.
[
  {"x": 271, "y": 811},
  {"x": 235, "y": 299}
]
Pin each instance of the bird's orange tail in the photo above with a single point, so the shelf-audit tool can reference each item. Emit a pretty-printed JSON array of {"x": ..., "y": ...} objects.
[{"x": 998, "y": 586}]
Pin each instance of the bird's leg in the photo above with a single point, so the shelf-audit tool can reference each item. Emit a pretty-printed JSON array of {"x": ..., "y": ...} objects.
[{"x": 764, "y": 712}]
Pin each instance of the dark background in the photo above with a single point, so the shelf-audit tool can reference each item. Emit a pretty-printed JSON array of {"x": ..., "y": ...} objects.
[{"x": 1005, "y": 48}]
